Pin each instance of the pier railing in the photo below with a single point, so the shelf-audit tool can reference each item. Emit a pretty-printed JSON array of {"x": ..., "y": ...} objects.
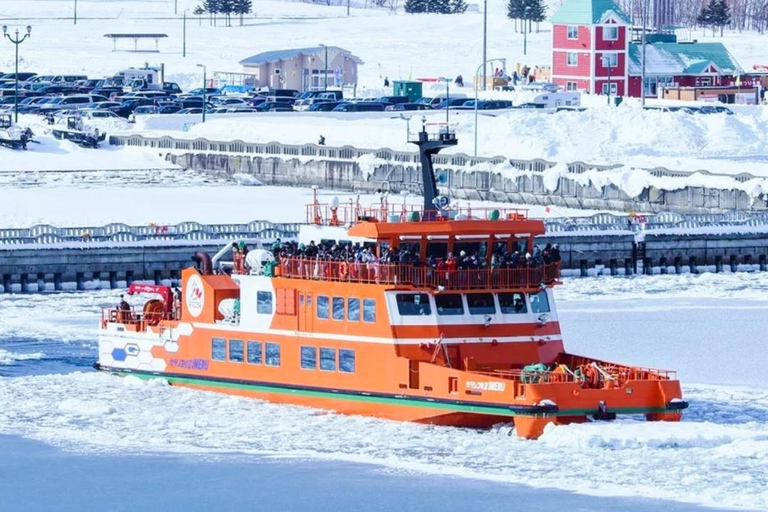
[{"x": 524, "y": 277}]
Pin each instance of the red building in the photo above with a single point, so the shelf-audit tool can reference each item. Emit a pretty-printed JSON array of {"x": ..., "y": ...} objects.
[{"x": 591, "y": 52}]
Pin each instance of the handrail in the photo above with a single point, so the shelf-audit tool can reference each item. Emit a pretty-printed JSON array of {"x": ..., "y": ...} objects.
[
  {"x": 350, "y": 213},
  {"x": 522, "y": 278}
]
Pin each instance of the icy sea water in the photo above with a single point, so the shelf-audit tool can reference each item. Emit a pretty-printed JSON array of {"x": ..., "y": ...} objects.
[{"x": 77, "y": 440}]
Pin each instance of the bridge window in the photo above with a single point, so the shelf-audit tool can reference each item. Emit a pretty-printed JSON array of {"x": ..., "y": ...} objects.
[
  {"x": 481, "y": 304},
  {"x": 338, "y": 308},
  {"x": 219, "y": 349},
  {"x": 539, "y": 302},
  {"x": 254, "y": 352},
  {"x": 308, "y": 358},
  {"x": 322, "y": 307},
  {"x": 346, "y": 360},
  {"x": 328, "y": 359},
  {"x": 273, "y": 354},
  {"x": 449, "y": 304},
  {"x": 369, "y": 310},
  {"x": 264, "y": 303},
  {"x": 236, "y": 351},
  {"x": 413, "y": 304},
  {"x": 353, "y": 309},
  {"x": 512, "y": 303}
]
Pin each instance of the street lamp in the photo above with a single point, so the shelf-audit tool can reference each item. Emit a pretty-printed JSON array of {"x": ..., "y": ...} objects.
[
  {"x": 75, "y": 17},
  {"x": 642, "y": 72},
  {"x": 485, "y": 46},
  {"x": 16, "y": 41},
  {"x": 184, "y": 36},
  {"x": 525, "y": 30},
  {"x": 325, "y": 78},
  {"x": 484, "y": 66},
  {"x": 204, "y": 86}
]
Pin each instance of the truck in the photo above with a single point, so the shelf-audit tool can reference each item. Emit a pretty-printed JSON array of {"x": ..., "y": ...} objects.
[{"x": 144, "y": 79}]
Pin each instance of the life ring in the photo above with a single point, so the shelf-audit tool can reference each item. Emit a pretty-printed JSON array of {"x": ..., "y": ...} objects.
[{"x": 575, "y": 392}]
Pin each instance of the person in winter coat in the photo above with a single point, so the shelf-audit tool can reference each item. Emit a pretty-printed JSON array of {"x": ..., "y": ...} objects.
[{"x": 386, "y": 81}]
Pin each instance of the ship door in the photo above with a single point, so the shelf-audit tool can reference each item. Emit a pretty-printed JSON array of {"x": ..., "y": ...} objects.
[{"x": 306, "y": 312}]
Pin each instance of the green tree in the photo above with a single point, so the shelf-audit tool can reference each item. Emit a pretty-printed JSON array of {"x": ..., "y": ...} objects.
[
  {"x": 440, "y": 6},
  {"x": 458, "y": 6},
  {"x": 705, "y": 16},
  {"x": 199, "y": 11},
  {"x": 212, "y": 7},
  {"x": 721, "y": 15},
  {"x": 415, "y": 6},
  {"x": 243, "y": 7}
]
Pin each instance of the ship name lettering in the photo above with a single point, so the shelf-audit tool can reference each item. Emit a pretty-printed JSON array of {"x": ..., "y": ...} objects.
[
  {"x": 486, "y": 386},
  {"x": 190, "y": 364}
]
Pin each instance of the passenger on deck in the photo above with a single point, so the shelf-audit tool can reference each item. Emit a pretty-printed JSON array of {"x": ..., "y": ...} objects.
[{"x": 124, "y": 313}]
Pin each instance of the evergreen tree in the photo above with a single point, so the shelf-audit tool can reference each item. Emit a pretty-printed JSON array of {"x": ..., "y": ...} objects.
[
  {"x": 705, "y": 16},
  {"x": 515, "y": 9},
  {"x": 243, "y": 7},
  {"x": 227, "y": 7},
  {"x": 415, "y": 6},
  {"x": 721, "y": 15},
  {"x": 458, "y": 6},
  {"x": 212, "y": 7},
  {"x": 199, "y": 11},
  {"x": 440, "y": 6},
  {"x": 537, "y": 10}
]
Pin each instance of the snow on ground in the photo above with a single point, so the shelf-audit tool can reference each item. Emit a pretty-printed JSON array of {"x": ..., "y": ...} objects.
[
  {"x": 141, "y": 203},
  {"x": 452, "y": 46}
]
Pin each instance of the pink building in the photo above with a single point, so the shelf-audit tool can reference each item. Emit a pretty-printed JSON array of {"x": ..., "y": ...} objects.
[{"x": 589, "y": 47}]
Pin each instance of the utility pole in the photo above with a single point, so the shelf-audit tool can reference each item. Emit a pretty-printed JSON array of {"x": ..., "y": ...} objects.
[
  {"x": 325, "y": 78},
  {"x": 75, "y": 12},
  {"x": 184, "y": 36},
  {"x": 17, "y": 41},
  {"x": 642, "y": 72},
  {"x": 175, "y": 6},
  {"x": 205, "y": 84},
  {"x": 485, "y": 44}
]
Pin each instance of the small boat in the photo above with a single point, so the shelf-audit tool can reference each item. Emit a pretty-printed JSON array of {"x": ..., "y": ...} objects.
[
  {"x": 74, "y": 129},
  {"x": 13, "y": 135},
  {"x": 460, "y": 329}
]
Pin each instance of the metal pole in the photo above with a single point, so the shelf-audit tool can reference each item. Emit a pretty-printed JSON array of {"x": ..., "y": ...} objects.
[
  {"x": 484, "y": 65},
  {"x": 175, "y": 6},
  {"x": 485, "y": 44},
  {"x": 75, "y": 12},
  {"x": 16, "y": 89},
  {"x": 325, "y": 79},
  {"x": 609, "y": 81},
  {"x": 184, "y": 38},
  {"x": 447, "y": 99},
  {"x": 347, "y": 7},
  {"x": 525, "y": 32},
  {"x": 642, "y": 72}
]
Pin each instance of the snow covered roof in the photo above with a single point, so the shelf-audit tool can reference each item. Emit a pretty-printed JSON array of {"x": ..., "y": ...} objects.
[
  {"x": 587, "y": 12},
  {"x": 683, "y": 59},
  {"x": 281, "y": 55}
]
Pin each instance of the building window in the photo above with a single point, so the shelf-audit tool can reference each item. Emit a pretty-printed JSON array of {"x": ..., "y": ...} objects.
[
  {"x": 236, "y": 351},
  {"x": 512, "y": 303},
  {"x": 353, "y": 310},
  {"x": 338, "y": 308},
  {"x": 449, "y": 304},
  {"x": 308, "y": 358},
  {"x": 539, "y": 302},
  {"x": 481, "y": 304},
  {"x": 572, "y": 59},
  {"x": 346, "y": 360},
  {"x": 219, "y": 349},
  {"x": 322, "y": 307},
  {"x": 264, "y": 303},
  {"x": 369, "y": 310},
  {"x": 273, "y": 354},
  {"x": 571, "y": 86},
  {"x": 413, "y": 304},
  {"x": 610, "y": 33},
  {"x": 328, "y": 359},
  {"x": 614, "y": 88},
  {"x": 254, "y": 352},
  {"x": 573, "y": 32},
  {"x": 610, "y": 60}
]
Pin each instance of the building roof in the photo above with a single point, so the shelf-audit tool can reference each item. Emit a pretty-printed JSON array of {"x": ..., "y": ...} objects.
[
  {"x": 281, "y": 55},
  {"x": 682, "y": 59},
  {"x": 587, "y": 12}
]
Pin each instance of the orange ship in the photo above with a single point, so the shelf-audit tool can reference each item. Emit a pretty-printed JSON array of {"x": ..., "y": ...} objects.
[{"x": 420, "y": 339}]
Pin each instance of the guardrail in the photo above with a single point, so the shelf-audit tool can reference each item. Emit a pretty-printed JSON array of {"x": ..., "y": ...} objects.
[
  {"x": 116, "y": 232},
  {"x": 46, "y": 234},
  {"x": 350, "y": 153}
]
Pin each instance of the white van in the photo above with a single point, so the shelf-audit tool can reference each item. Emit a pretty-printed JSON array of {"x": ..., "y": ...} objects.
[
  {"x": 140, "y": 80},
  {"x": 439, "y": 98},
  {"x": 558, "y": 99}
]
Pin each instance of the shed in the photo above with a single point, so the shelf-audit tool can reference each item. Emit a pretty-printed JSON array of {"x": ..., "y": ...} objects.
[{"x": 405, "y": 88}]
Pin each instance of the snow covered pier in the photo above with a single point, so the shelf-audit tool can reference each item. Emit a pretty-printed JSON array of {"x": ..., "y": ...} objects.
[
  {"x": 46, "y": 258},
  {"x": 535, "y": 182}
]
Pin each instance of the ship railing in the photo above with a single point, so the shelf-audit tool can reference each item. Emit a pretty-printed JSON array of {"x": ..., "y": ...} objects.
[
  {"x": 348, "y": 214},
  {"x": 131, "y": 317},
  {"x": 526, "y": 277},
  {"x": 610, "y": 375}
]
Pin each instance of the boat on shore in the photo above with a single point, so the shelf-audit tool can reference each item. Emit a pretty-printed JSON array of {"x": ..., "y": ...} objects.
[{"x": 430, "y": 314}]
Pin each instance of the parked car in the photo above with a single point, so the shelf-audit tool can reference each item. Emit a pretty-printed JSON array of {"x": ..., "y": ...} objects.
[
  {"x": 190, "y": 111},
  {"x": 191, "y": 103},
  {"x": 487, "y": 104},
  {"x": 451, "y": 103},
  {"x": 273, "y": 106},
  {"x": 324, "y": 107},
  {"x": 408, "y": 106},
  {"x": 393, "y": 100},
  {"x": 440, "y": 98},
  {"x": 305, "y": 103},
  {"x": 171, "y": 88},
  {"x": 11, "y": 77},
  {"x": 209, "y": 91},
  {"x": 75, "y": 101},
  {"x": 228, "y": 100},
  {"x": 361, "y": 106},
  {"x": 69, "y": 79},
  {"x": 285, "y": 93},
  {"x": 168, "y": 109},
  {"x": 142, "y": 110},
  {"x": 126, "y": 108}
]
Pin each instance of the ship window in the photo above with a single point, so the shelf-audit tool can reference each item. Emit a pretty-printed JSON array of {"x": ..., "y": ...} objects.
[
  {"x": 481, "y": 304},
  {"x": 328, "y": 359},
  {"x": 338, "y": 308},
  {"x": 413, "y": 304},
  {"x": 236, "y": 351},
  {"x": 308, "y": 358},
  {"x": 470, "y": 248},
  {"x": 539, "y": 302},
  {"x": 353, "y": 310},
  {"x": 322, "y": 307},
  {"x": 437, "y": 250},
  {"x": 369, "y": 310},
  {"x": 254, "y": 352},
  {"x": 414, "y": 247},
  {"x": 264, "y": 303},
  {"x": 512, "y": 303},
  {"x": 219, "y": 349},
  {"x": 449, "y": 304},
  {"x": 273, "y": 354},
  {"x": 346, "y": 360}
]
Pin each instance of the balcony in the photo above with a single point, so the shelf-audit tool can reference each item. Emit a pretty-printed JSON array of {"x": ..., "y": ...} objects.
[{"x": 520, "y": 278}]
